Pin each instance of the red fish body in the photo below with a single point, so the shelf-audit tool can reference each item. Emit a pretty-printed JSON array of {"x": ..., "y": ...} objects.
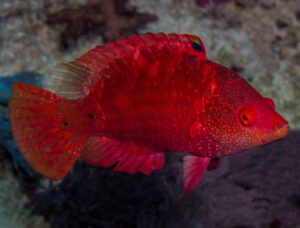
[{"x": 129, "y": 101}]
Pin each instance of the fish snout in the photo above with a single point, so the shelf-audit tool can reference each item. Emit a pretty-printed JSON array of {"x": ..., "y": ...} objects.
[{"x": 281, "y": 130}]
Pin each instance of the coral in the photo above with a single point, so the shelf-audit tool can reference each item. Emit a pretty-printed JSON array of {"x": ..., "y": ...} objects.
[
  {"x": 203, "y": 3},
  {"x": 13, "y": 211},
  {"x": 111, "y": 19}
]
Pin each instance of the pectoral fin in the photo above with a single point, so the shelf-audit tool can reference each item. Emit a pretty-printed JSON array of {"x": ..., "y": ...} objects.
[{"x": 193, "y": 170}]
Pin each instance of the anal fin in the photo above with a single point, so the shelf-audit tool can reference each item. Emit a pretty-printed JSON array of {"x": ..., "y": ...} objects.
[
  {"x": 105, "y": 152},
  {"x": 193, "y": 170}
]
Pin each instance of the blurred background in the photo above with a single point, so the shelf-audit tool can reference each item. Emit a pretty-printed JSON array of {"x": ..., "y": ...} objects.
[{"x": 257, "y": 39}]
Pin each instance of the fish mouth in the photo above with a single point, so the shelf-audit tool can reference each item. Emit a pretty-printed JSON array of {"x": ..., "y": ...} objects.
[{"x": 280, "y": 132}]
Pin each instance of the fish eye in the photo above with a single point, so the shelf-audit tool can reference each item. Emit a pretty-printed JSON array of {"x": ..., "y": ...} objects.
[
  {"x": 196, "y": 45},
  {"x": 246, "y": 116},
  {"x": 270, "y": 102}
]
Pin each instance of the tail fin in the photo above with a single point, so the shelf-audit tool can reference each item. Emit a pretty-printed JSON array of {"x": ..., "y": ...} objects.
[{"x": 41, "y": 132}]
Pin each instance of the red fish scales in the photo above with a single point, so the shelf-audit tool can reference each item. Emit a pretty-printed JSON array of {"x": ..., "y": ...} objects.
[{"x": 131, "y": 100}]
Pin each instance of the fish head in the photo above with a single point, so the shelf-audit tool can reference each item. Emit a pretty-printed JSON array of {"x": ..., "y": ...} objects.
[{"x": 237, "y": 117}]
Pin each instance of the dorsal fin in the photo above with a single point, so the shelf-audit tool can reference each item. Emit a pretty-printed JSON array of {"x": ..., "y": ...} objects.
[{"x": 77, "y": 79}]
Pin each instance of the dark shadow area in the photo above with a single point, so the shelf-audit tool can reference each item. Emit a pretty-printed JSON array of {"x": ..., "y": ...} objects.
[{"x": 259, "y": 188}]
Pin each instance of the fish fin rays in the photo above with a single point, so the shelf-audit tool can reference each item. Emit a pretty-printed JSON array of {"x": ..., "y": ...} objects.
[
  {"x": 38, "y": 129},
  {"x": 193, "y": 170},
  {"x": 105, "y": 152},
  {"x": 76, "y": 79},
  {"x": 72, "y": 80}
]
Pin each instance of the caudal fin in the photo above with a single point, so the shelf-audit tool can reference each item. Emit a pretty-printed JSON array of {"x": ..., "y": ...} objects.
[{"x": 41, "y": 133}]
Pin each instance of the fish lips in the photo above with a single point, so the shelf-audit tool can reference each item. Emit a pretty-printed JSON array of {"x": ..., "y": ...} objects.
[{"x": 281, "y": 131}]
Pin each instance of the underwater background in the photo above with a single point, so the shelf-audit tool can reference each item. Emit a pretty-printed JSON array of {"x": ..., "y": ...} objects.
[{"x": 259, "y": 188}]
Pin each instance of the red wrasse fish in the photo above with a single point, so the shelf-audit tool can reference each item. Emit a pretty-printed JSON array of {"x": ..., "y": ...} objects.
[{"x": 128, "y": 102}]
